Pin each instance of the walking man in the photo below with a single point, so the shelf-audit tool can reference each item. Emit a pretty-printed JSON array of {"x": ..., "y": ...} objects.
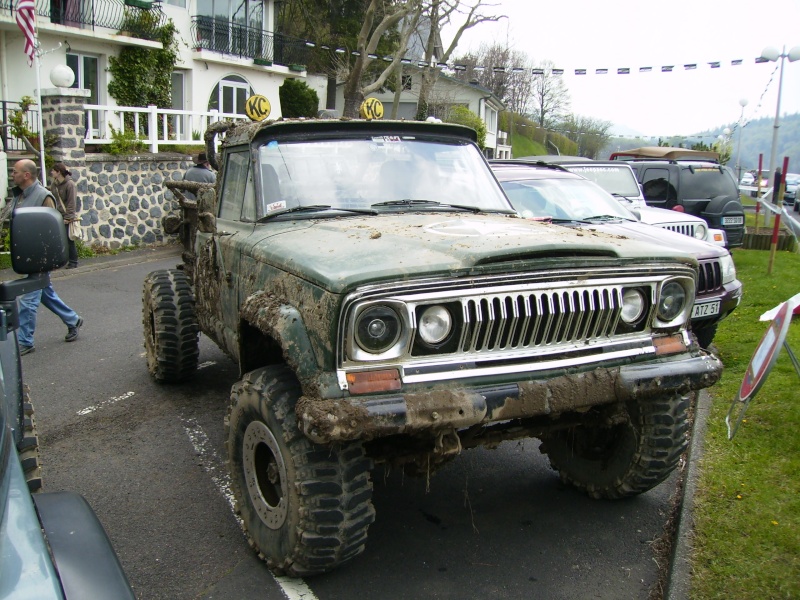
[{"x": 28, "y": 192}]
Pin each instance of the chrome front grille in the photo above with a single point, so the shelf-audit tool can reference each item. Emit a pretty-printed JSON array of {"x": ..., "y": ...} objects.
[
  {"x": 709, "y": 277},
  {"x": 539, "y": 319},
  {"x": 683, "y": 229}
]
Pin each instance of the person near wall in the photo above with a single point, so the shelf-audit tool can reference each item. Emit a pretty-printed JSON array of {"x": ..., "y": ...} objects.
[
  {"x": 201, "y": 172},
  {"x": 28, "y": 192},
  {"x": 66, "y": 195}
]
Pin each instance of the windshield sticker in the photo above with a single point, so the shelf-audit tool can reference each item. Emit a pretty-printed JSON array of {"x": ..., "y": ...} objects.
[
  {"x": 388, "y": 139},
  {"x": 594, "y": 169},
  {"x": 706, "y": 169},
  {"x": 273, "y": 206}
]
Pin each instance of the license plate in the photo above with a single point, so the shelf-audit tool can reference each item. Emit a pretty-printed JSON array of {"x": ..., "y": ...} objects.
[
  {"x": 733, "y": 220},
  {"x": 706, "y": 309}
]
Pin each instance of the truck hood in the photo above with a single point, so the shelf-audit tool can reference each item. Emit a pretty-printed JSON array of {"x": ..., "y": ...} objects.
[{"x": 340, "y": 253}]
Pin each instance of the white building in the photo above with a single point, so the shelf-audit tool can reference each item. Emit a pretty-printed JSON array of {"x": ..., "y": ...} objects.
[{"x": 227, "y": 51}]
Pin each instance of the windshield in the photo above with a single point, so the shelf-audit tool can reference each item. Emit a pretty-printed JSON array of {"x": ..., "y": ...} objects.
[
  {"x": 615, "y": 180},
  {"x": 569, "y": 199},
  {"x": 357, "y": 174},
  {"x": 707, "y": 182}
]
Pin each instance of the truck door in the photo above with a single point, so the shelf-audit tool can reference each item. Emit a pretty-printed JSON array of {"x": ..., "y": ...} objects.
[{"x": 218, "y": 252}]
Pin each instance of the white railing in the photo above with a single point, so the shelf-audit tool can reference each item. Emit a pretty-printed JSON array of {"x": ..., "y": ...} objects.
[{"x": 163, "y": 125}]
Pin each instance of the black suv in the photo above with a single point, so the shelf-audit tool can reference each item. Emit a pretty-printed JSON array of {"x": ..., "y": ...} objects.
[
  {"x": 673, "y": 177},
  {"x": 53, "y": 545}
]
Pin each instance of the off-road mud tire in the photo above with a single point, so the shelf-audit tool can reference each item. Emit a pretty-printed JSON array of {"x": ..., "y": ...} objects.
[
  {"x": 705, "y": 335},
  {"x": 171, "y": 331},
  {"x": 317, "y": 499},
  {"x": 625, "y": 459},
  {"x": 28, "y": 446}
]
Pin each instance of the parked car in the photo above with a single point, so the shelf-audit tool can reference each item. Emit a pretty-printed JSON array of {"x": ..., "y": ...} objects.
[
  {"x": 551, "y": 192},
  {"x": 747, "y": 179},
  {"x": 387, "y": 305},
  {"x": 790, "y": 192},
  {"x": 693, "y": 180},
  {"x": 619, "y": 180},
  {"x": 53, "y": 545}
]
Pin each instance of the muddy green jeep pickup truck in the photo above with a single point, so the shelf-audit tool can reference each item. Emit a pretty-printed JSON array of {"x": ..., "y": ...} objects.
[{"x": 387, "y": 306}]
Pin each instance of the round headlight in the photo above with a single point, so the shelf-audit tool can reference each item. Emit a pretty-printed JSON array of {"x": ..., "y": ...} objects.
[
  {"x": 700, "y": 231},
  {"x": 435, "y": 324},
  {"x": 672, "y": 301},
  {"x": 632, "y": 305},
  {"x": 377, "y": 329}
]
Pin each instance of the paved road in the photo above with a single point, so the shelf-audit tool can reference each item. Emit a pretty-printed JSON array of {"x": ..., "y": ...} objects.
[{"x": 150, "y": 460}]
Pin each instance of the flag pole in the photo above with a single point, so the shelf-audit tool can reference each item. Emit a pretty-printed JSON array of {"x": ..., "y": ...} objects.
[{"x": 39, "y": 102}]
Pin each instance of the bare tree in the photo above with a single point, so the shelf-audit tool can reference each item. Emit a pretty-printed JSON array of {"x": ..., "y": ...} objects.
[
  {"x": 591, "y": 135},
  {"x": 441, "y": 13},
  {"x": 550, "y": 96},
  {"x": 379, "y": 18}
]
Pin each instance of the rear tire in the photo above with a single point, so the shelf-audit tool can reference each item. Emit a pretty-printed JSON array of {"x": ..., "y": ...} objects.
[
  {"x": 171, "y": 332},
  {"x": 306, "y": 508},
  {"x": 625, "y": 459}
]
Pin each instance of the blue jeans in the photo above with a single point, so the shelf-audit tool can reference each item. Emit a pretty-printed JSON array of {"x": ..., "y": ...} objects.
[{"x": 29, "y": 304}]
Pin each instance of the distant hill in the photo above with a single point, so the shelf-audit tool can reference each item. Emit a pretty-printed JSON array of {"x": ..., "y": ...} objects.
[{"x": 756, "y": 138}]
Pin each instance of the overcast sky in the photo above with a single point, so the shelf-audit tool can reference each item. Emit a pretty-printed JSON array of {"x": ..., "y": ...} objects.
[{"x": 612, "y": 34}]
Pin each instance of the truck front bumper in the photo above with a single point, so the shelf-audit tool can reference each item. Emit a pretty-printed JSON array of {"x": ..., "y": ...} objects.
[{"x": 457, "y": 407}]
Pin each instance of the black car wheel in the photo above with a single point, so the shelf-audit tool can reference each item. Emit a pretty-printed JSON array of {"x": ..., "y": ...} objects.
[
  {"x": 306, "y": 508},
  {"x": 171, "y": 332},
  {"x": 625, "y": 459}
]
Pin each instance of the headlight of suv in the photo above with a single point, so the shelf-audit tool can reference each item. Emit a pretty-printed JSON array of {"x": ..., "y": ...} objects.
[
  {"x": 379, "y": 330},
  {"x": 675, "y": 299},
  {"x": 700, "y": 231},
  {"x": 728, "y": 268}
]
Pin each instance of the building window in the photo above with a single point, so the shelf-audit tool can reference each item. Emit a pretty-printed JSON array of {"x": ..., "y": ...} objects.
[
  {"x": 230, "y": 94},
  {"x": 87, "y": 75},
  {"x": 180, "y": 3}
]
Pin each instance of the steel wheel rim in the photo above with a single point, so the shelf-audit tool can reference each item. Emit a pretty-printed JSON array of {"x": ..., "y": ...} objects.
[{"x": 265, "y": 474}]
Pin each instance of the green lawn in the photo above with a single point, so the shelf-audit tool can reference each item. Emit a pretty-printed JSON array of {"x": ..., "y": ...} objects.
[{"x": 747, "y": 515}]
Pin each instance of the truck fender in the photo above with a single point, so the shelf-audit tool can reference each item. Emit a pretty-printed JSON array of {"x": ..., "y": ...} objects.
[{"x": 282, "y": 323}]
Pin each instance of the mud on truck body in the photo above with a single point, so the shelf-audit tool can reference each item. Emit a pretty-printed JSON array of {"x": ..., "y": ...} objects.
[{"x": 386, "y": 306}]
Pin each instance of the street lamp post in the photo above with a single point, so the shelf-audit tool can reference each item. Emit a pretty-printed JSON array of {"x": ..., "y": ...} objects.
[
  {"x": 773, "y": 55},
  {"x": 742, "y": 103}
]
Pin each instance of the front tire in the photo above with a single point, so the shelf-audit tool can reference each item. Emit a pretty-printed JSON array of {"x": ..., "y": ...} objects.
[
  {"x": 306, "y": 508},
  {"x": 705, "y": 335},
  {"x": 171, "y": 332},
  {"x": 625, "y": 459}
]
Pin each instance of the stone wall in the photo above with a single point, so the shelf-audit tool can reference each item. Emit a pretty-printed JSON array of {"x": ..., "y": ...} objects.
[
  {"x": 125, "y": 198},
  {"x": 121, "y": 198}
]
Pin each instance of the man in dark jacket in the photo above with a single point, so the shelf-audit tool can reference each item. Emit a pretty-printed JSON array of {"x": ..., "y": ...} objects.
[
  {"x": 28, "y": 192},
  {"x": 201, "y": 172}
]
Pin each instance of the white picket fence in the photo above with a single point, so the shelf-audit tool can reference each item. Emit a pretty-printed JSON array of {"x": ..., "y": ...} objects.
[{"x": 163, "y": 125}]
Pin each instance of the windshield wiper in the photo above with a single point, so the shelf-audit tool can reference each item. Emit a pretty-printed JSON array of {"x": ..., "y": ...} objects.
[
  {"x": 310, "y": 208},
  {"x": 606, "y": 218},
  {"x": 317, "y": 208},
  {"x": 410, "y": 202},
  {"x": 405, "y": 202}
]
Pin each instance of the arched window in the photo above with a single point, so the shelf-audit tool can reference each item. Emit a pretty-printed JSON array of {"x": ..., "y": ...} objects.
[{"x": 230, "y": 95}]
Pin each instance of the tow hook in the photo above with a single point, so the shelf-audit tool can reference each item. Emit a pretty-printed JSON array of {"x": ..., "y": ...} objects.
[{"x": 447, "y": 444}]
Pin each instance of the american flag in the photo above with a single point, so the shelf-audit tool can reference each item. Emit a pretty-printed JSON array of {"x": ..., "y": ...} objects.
[{"x": 26, "y": 20}]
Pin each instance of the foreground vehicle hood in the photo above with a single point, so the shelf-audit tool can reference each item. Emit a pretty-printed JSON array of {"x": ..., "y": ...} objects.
[{"x": 338, "y": 254}]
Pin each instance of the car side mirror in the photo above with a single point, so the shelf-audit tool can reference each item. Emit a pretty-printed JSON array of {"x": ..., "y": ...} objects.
[{"x": 38, "y": 240}]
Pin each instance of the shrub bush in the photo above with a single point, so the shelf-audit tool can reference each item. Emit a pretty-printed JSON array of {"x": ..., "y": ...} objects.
[{"x": 298, "y": 99}]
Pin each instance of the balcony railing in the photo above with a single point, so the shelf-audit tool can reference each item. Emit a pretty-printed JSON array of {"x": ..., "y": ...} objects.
[
  {"x": 152, "y": 125},
  {"x": 224, "y": 37},
  {"x": 137, "y": 18}
]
